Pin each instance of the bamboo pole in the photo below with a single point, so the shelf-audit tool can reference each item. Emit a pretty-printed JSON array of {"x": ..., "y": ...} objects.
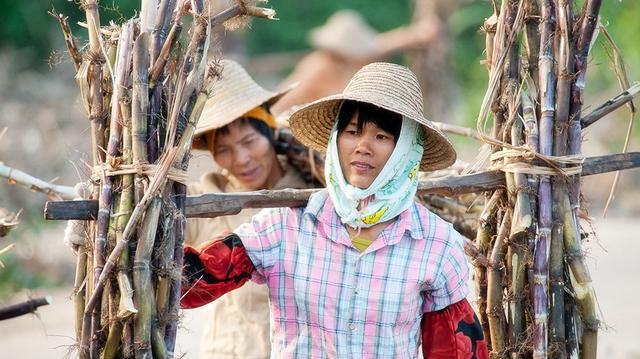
[
  {"x": 16, "y": 176},
  {"x": 19, "y": 309}
]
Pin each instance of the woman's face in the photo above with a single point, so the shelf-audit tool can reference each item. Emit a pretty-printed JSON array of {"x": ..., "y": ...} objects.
[
  {"x": 363, "y": 153},
  {"x": 246, "y": 154}
]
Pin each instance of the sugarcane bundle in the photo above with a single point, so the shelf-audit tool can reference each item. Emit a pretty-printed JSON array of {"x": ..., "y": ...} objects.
[
  {"x": 535, "y": 296},
  {"x": 143, "y": 93}
]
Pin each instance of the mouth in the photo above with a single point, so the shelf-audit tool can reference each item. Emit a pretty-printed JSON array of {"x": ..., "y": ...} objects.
[
  {"x": 361, "y": 167},
  {"x": 249, "y": 173}
]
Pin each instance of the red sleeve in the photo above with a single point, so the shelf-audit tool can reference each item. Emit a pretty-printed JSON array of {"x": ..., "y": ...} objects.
[
  {"x": 219, "y": 267},
  {"x": 453, "y": 333}
]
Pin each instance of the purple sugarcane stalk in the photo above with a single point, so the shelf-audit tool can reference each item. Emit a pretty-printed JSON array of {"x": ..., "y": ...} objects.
[
  {"x": 547, "y": 110},
  {"x": 583, "y": 37}
]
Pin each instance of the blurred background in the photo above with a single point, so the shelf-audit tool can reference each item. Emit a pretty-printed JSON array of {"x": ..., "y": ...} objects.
[{"x": 48, "y": 134}]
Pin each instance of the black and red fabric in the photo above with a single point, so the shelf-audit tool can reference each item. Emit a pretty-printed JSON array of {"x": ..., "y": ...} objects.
[
  {"x": 453, "y": 333},
  {"x": 218, "y": 268}
]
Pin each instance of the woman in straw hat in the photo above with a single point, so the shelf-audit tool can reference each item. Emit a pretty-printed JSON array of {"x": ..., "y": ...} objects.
[
  {"x": 363, "y": 270},
  {"x": 237, "y": 128},
  {"x": 342, "y": 46}
]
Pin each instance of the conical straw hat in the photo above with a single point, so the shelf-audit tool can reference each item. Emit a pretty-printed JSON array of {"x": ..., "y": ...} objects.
[
  {"x": 234, "y": 94},
  {"x": 347, "y": 34},
  {"x": 392, "y": 87}
]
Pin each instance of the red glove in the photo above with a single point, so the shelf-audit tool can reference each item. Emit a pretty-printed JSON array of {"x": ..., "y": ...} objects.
[
  {"x": 453, "y": 333},
  {"x": 221, "y": 266}
]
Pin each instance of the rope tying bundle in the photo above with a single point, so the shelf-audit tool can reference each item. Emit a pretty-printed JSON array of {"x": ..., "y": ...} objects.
[{"x": 102, "y": 170}]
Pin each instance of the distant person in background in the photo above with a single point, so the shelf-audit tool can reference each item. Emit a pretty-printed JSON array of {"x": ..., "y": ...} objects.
[
  {"x": 238, "y": 129},
  {"x": 342, "y": 46}
]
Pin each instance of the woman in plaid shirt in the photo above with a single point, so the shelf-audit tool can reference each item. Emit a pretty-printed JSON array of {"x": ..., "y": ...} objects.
[{"x": 363, "y": 271}]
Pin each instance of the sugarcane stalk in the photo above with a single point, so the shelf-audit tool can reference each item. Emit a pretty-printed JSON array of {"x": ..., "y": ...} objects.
[
  {"x": 72, "y": 48},
  {"x": 547, "y": 113},
  {"x": 123, "y": 61},
  {"x": 556, "y": 290},
  {"x": 159, "y": 63},
  {"x": 532, "y": 39},
  {"x": 96, "y": 114},
  {"x": 184, "y": 147},
  {"x": 85, "y": 332},
  {"x": 163, "y": 20},
  {"x": 581, "y": 282},
  {"x": 517, "y": 257},
  {"x": 139, "y": 109},
  {"x": 113, "y": 341},
  {"x": 126, "y": 306},
  {"x": 495, "y": 305},
  {"x": 610, "y": 105},
  {"x": 523, "y": 214},
  {"x": 556, "y": 257},
  {"x": 79, "y": 289},
  {"x": 164, "y": 258},
  {"x": 531, "y": 135},
  {"x": 571, "y": 321},
  {"x": 144, "y": 296},
  {"x": 583, "y": 37},
  {"x": 178, "y": 260},
  {"x": 191, "y": 71},
  {"x": 129, "y": 230},
  {"x": 128, "y": 345},
  {"x": 490, "y": 27},
  {"x": 483, "y": 239}
]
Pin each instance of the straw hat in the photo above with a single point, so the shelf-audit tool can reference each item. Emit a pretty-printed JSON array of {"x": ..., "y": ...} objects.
[
  {"x": 347, "y": 34},
  {"x": 233, "y": 94},
  {"x": 392, "y": 87}
]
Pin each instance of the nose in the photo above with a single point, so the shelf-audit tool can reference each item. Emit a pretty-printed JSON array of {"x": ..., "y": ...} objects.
[
  {"x": 363, "y": 146},
  {"x": 241, "y": 157}
]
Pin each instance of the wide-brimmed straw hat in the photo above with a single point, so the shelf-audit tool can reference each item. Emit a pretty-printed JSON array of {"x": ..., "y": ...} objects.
[
  {"x": 234, "y": 94},
  {"x": 347, "y": 34},
  {"x": 389, "y": 86}
]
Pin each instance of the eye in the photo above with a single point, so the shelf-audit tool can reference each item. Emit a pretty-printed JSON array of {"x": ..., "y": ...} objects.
[
  {"x": 221, "y": 151},
  {"x": 382, "y": 137}
]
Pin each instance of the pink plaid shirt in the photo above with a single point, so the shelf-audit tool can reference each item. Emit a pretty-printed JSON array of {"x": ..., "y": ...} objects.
[{"x": 328, "y": 300}]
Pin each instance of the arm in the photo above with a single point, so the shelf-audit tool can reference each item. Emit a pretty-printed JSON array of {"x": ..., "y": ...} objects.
[
  {"x": 219, "y": 267},
  {"x": 453, "y": 332}
]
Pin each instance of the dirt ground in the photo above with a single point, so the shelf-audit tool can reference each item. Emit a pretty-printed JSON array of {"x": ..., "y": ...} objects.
[{"x": 612, "y": 258}]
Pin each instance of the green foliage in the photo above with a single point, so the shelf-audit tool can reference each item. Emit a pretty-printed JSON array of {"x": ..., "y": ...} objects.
[
  {"x": 298, "y": 17},
  {"x": 26, "y": 24},
  {"x": 16, "y": 276}
]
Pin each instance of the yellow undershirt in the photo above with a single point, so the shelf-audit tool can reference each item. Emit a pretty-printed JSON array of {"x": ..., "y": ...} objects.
[{"x": 361, "y": 243}]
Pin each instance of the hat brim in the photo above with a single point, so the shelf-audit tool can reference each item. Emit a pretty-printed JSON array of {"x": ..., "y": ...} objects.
[
  {"x": 269, "y": 98},
  {"x": 312, "y": 125}
]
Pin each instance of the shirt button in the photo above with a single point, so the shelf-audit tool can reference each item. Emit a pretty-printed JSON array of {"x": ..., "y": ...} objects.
[{"x": 352, "y": 327}]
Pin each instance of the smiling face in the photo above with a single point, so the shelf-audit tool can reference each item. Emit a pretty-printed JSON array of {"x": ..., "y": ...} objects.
[
  {"x": 247, "y": 155},
  {"x": 363, "y": 151}
]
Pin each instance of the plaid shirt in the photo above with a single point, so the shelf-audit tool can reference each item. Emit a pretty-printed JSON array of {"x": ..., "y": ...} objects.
[{"x": 328, "y": 300}]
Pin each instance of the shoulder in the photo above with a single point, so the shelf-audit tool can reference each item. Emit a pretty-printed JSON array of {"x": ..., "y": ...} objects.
[
  {"x": 208, "y": 182},
  {"x": 292, "y": 177},
  {"x": 432, "y": 225}
]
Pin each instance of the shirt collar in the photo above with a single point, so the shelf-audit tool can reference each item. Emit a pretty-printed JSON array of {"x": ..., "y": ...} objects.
[{"x": 320, "y": 207}]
